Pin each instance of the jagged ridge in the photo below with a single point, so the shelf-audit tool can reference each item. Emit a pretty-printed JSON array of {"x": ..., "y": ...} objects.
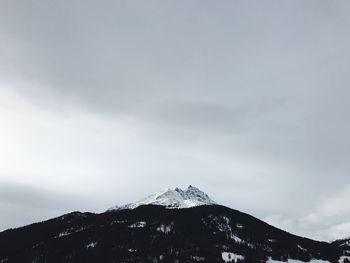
[{"x": 176, "y": 198}]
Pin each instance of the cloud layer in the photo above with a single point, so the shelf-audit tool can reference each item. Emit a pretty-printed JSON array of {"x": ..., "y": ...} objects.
[{"x": 103, "y": 103}]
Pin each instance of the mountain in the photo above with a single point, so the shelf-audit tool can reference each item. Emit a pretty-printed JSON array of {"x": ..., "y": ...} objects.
[
  {"x": 344, "y": 245},
  {"x": 176, "y": 198},
  {"x": 171, "y": 226}
]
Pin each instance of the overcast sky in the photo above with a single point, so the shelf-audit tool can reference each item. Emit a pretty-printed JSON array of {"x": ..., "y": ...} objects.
[{"x": 105, "y": 102}]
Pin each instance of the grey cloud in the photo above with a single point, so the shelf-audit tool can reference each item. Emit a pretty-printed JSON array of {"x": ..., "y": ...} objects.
[
  {"x": 36, "y": 197},
  {"x": 167, "y": 50},
  {"x": 259, "y": 89},
  {"x": 210, "y": 116},
  {"x": 21, "y": 204}
]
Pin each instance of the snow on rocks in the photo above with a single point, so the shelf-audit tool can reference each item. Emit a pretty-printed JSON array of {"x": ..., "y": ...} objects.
[
  {"x": 343, "y": 259},
  {"x": 91, "y": 245},
  {"x": 166, "y": 229},
  {"x": 231, "y": 257},
  {"x": 140, "y": 224},
  {"x": 176, "y": 198},
  {"x": 270, "y": 260},
  {"x": 301, "y": 248},
  {"x": 223, "y": 224}
]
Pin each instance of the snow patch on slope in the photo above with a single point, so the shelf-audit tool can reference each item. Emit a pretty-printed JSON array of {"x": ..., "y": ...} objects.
[
  {"x": 176, "y": 198},
  {"x": 140, "y": 224},
  {"x": 166, "y": 229},
  {"x": 91, "y": 245},
  {"x": 343, "y": 259},
  {"x": 231, "y": 257},
  {"x": 296, "y": 261}
]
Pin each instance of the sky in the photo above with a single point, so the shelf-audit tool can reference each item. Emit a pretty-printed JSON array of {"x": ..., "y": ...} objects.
[{"x": 105, "y": 102}]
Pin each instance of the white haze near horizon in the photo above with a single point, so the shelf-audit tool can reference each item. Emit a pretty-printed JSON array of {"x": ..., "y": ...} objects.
[{"x": 104, "y": 103}]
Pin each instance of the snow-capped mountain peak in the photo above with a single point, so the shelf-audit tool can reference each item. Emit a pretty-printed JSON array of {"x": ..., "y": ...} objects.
[{"x": 176, "y": 198}]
